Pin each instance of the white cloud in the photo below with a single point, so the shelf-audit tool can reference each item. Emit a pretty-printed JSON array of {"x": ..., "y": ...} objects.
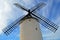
[
  {"x": 45, "y": 11},
  {"x": 47, "y": 8},
  {"x": 25, "y": 13},
  {"x": 27, "y": 1},
  {"x": 55, "y": 35},
  {"x": 4, "y": 10},
  {"x": 58, "y": 20}
]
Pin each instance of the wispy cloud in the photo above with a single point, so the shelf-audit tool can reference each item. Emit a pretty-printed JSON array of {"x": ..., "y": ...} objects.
[
  {"x": 49, "y": 35},
  {"x": 4, "y": 10},
  {"x": 45, "y": 11},
  {"x": 47, "y": 8}
]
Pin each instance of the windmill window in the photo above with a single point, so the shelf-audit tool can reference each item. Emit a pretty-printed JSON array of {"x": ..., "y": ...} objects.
[
  {"x": 36, "y": 28},
  {"x": 29, "y": 20}
]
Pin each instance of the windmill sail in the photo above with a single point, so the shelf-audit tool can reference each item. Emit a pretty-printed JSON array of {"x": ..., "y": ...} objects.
[
  {"x": 12, "y": 26},
  {"x": 20, "y": 6},
  {"x": 46, "y": 22},
  {"x": 38, "y": 6}
]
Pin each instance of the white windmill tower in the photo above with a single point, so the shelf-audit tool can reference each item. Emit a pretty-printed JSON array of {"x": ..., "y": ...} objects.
[{"x": 30, "y": 24}]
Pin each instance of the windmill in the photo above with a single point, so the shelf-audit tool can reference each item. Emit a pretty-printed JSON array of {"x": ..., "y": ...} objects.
[{"x": 30, "y": 23}]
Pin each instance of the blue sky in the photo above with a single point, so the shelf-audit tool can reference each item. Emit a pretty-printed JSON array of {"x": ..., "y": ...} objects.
[{"x": 9, "y": 13}]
